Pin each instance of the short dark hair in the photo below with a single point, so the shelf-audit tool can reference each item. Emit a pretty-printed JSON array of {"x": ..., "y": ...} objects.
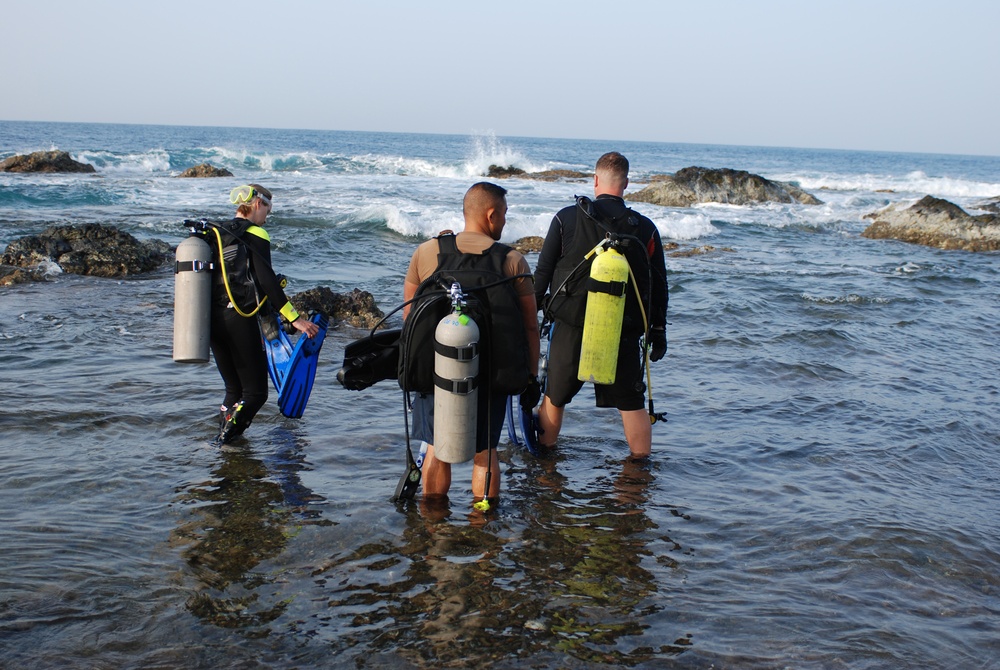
[
  {"x": 484, "y": 194},
  {"x": 614, "y": 163}
]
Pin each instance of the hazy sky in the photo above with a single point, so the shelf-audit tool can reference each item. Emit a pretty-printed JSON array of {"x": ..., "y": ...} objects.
[{"x": 901, "y": 76}]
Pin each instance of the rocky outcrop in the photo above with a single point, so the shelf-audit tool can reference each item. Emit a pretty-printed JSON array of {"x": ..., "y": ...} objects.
[
  {"x": 734, "y": 187},
  {"x": 91, "y": 249},
  {"x": 357, "y": 308},
  {"x": 935, "y": 222},
  {"x": 205, "y": 170},
  {"x": 498, "y": 172},
  {"x": 44, "y": 161},
  {"x": 528, "y": 245}
]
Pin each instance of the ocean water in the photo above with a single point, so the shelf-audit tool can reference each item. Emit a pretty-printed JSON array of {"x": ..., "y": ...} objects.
[{"x": 823, "y": 495}]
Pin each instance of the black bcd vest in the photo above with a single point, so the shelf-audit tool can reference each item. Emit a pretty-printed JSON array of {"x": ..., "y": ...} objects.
[
  {"x": 568, "y": 299},
  {"x": 492, "y": 303},
  {"x": 236, "y": 255}
]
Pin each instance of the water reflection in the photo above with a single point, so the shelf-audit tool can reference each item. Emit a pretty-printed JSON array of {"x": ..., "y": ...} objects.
[
  {"x": 241, "y": 517},
  {"x": 561, "y": 566}
]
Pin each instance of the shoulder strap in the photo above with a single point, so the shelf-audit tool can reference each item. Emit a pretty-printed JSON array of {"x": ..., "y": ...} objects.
[
  {"x": 447, "y": 243},
  {"x": 235, "y": 232}
]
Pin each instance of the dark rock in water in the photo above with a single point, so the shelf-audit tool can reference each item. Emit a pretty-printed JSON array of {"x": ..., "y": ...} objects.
[
  {"x": 698, "y": 251},
  {"x": 556, "y": 175},
  {"x": 91, "y": 249},
  {"x": 990, "y": 205},
  {"x": 498, "y": 172},
  {"x": 205, "y": 170},
  {"x": 357, "y": 308},
  {"x": 10, "y": 275},
  {"x": 530, "y": 244},
  {"x": 44, "y": 161},
  {"x": 735, "y": 187},
  {"x": 938, "y": 223}
]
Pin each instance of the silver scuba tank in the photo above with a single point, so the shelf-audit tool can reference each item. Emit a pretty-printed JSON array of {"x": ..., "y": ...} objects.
[
  {"x": 192, "y": 300},
  {"x": 456, "y": 381}
]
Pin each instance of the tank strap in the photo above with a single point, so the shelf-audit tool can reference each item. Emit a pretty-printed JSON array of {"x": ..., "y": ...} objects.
[
  {"x": 457, "y": 386},
  {"x": 615, "y": 288},
  {"x": 192, "y": 266},
  {"x": 466, "y": 353}
]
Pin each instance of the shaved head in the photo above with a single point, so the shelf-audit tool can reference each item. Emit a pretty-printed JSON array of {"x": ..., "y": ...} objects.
[{"x": 482, "y": 197}]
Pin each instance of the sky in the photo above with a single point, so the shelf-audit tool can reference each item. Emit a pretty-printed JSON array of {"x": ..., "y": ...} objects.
[{"x": 914, "y": 76}]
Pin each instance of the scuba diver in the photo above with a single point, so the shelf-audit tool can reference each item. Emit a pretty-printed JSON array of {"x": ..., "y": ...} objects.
[
  {"x": 495, "y": 285},
  {"x": 243, "y": 274},
  {"x": 564, "y": 270}
]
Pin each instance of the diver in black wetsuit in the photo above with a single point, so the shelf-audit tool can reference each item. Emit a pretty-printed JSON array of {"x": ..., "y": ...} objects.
[
  {"x": 574, "y": 231},
  {"x": 235, "y": 335}
]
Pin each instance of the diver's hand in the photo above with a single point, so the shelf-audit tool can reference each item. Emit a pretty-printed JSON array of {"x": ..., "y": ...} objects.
[
  {"x": 531, "y": 395},
  {"x": 304, "y": 325},
  {"x": 658, "y": 344}
]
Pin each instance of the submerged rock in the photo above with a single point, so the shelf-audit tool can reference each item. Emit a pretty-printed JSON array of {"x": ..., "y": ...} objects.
[
  {"x": 699, "y": 251},
  {"x": 90, "y": 249},
  {"x": 357, "y": 308},
  {"x": 735, "y": 187},
  {"x": 205, "y": 170},
  {"x": 935, "y": 222},
  {"x": 45, "y": 161}
]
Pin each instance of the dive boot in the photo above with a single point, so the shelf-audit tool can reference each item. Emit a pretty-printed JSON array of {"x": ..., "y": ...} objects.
[{"x": 232, "y": 427}]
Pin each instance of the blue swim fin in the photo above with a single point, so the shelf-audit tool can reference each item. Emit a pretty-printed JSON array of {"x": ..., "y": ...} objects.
[
  {"x": 300, "y": 374},
  {"x": 279, "y": 354}
]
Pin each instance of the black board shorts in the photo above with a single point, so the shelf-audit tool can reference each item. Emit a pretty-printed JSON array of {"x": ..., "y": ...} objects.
[{"x": 626, "y": 394}]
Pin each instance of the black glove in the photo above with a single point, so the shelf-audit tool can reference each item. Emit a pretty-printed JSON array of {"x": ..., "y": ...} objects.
[
  {"x": 658, "y": 344},
  {"x": 531, "y": 395}
]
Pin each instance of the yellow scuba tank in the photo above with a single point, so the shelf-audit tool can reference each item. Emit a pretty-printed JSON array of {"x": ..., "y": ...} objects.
[
  {"x": 192, "y": 300},
  {"x": 456, "y": 382},
  {"x": 602, "y": 324}
]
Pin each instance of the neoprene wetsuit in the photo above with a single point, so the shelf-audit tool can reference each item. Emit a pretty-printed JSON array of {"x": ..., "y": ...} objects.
[{"x": 236, "y": 340}]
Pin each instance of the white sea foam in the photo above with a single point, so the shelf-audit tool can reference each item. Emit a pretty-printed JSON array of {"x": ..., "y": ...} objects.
[
  {"x": 489, "y": 150},
  {"x": 684, "y": 226},
  {"x": 912, "y": 182},
  {"x": 156, "y": 160}
]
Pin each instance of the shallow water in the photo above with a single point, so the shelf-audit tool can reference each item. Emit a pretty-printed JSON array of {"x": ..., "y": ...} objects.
[{"x": 823, "y": 494}]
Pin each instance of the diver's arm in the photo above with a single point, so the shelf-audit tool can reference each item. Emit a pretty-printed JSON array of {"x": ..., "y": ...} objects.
[
  {"x": 409, "y": 290},
  {"x": 658, "y": 292},
  {"x": 529, "y": 313},
  {"x": 547, "y": 259}
]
